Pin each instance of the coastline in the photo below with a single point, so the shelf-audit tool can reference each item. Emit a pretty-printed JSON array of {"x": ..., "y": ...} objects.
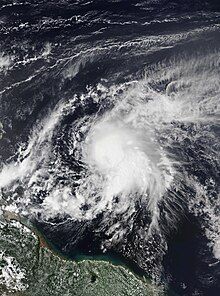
[{"x": 111, "y": 260}]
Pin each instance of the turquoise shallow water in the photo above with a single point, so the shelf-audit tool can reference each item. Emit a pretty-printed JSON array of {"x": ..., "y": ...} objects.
[
  {"x": 68, "y": 63},
  {"x": 78, "y": 256}
]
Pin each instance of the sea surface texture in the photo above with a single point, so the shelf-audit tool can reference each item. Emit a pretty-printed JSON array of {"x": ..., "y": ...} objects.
[{"x": 109, "y": 147}]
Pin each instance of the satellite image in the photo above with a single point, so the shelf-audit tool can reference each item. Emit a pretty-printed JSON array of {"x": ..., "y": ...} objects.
[{"x": 109, "y": 148}]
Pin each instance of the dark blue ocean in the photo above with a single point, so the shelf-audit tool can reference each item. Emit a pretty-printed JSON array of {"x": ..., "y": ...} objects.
[{"x": 109, "y": 114}]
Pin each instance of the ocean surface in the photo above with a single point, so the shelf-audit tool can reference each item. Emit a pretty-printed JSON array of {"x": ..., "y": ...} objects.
[{"x": 109, "y": 116}]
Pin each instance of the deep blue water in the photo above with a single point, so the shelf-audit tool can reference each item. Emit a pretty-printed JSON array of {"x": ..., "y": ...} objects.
[{"x": 53, "y": 50}]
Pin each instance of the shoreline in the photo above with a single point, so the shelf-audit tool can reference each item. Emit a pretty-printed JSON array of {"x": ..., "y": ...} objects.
[{"x": 78, "y": 258}]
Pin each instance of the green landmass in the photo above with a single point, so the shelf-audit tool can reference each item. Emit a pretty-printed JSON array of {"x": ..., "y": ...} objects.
[{"x": 29, "y": 268}]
